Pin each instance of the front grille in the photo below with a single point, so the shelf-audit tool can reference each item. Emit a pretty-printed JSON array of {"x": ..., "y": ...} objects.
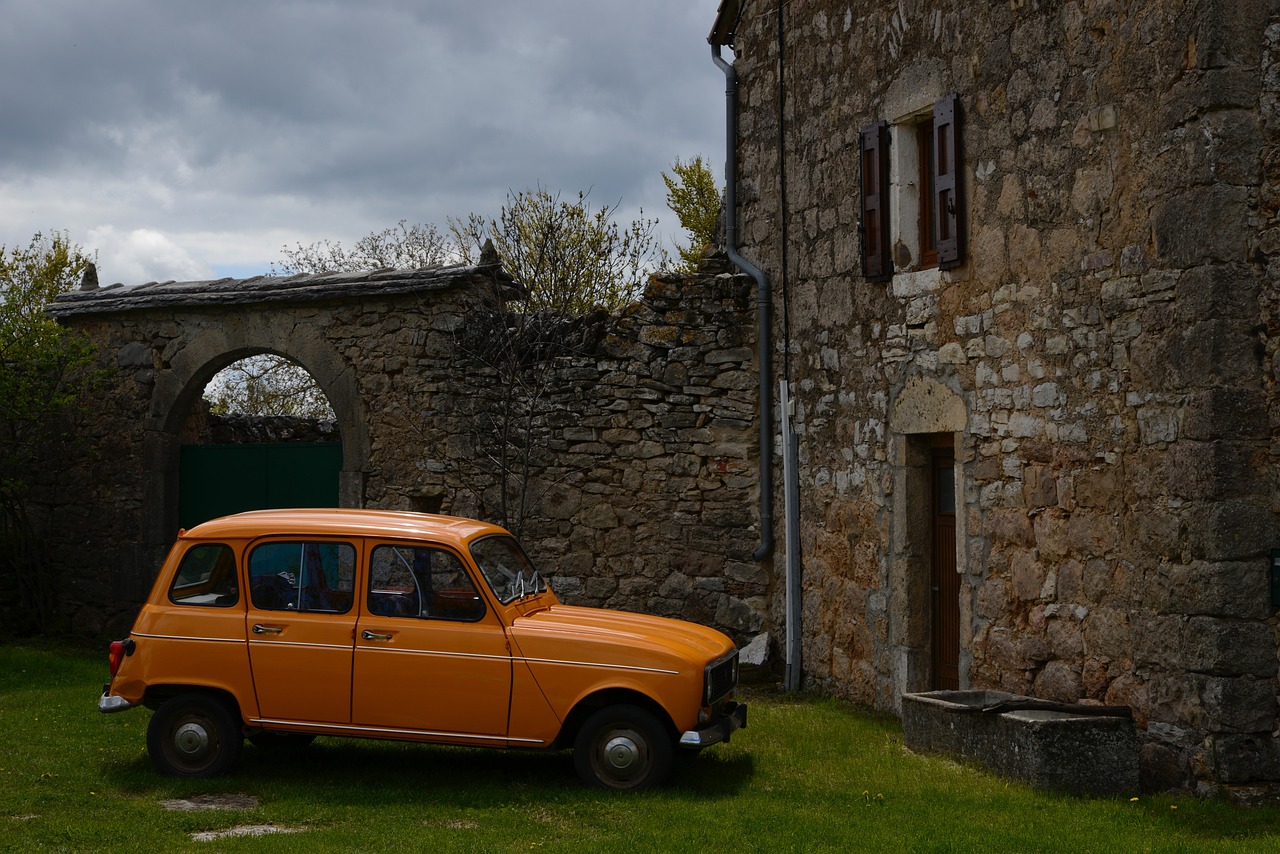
[{"x": 721, "y": 678}]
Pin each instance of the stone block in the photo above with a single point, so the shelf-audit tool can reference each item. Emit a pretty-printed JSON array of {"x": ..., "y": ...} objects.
[
  {"x": 1239, "y": 589},
  {"x": 1056, "y": 750},
  {"x": 1234, "y": 704},
  {"x": 1244, "y": 758},
  {"x": 1232, "y": 530},
  {"x": 1229, "y": 647},
  {"x": 1226, "y": 413},
  {"x": 1217, "y": 291},
  {"x": 1107, "y": 633},
  {"x": 1218, "y": 469},
  {"x": 1200, "y": 224}
]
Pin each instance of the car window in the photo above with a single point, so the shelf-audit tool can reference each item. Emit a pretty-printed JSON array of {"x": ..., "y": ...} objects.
[
  {"x": 506, "y": 568},
  {"x": 421, "y": 582},
  {"x": 302, "y": 576},
  {"x": 206, "y": 576}
]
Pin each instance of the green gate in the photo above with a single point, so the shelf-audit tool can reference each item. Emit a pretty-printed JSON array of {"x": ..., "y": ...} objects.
[{"x": 217, "y": 480}]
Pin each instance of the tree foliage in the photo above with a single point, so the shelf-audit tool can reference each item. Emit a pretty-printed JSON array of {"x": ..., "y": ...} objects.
[
  {"x": 44, "y": 368},
  {"x": 694, "y": 197},
  {"x": 570, "y": 256}
]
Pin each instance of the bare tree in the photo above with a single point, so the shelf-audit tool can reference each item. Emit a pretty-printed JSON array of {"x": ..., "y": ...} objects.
[
  {"x": 404, "y": 246},
  {"x": 267, "y": 384}
]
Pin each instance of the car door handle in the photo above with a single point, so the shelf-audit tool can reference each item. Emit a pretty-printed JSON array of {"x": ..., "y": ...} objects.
[
  {"x": 368, "y": 635},
  {"x": 259, "y": 629}
]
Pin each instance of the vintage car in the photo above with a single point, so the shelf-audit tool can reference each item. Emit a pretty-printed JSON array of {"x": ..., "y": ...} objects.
[{"x": 281, "y": 625}]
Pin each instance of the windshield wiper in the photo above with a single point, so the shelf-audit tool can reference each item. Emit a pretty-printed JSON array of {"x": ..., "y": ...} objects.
[{"x": 529, "y": 588}]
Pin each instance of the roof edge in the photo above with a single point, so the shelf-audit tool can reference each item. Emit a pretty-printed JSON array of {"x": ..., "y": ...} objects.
[{"x": 726, "y": 25}]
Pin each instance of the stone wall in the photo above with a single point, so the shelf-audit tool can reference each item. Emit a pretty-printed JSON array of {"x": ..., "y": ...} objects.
[
  {"x": 641, "y": 474},
  {"x": 1105, "y": 359}
]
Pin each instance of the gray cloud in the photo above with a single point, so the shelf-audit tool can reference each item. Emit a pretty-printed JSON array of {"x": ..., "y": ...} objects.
[{"x": 197, "y": 135}]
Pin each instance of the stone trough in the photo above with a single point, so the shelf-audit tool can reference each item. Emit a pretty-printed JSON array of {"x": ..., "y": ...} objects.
[{"x": 1082, "y": 749}]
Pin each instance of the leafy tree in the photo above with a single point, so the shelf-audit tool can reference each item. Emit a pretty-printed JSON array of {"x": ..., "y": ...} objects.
[
  {"x": 267, "y": 384},
  {"x": 402, "y": 246},
  {"x": 44, "y": 368},
  {"x": 571, "y": 257},
  {"x": 693, "y": 195}
]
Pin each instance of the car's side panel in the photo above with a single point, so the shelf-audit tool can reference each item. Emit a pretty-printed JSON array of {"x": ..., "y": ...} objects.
[
  {"x": 434, "y": 676},
  {"x": 533, "y": 722},
  {"x": 186, "y": 645},
  {"x": 302, "y": 665}
]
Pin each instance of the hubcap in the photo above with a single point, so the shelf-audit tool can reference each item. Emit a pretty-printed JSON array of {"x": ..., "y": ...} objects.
[
  {"x": 622, "y": 754},
  {"x": 191, "y": 739}
]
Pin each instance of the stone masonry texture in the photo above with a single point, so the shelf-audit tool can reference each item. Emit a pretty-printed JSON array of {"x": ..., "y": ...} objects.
[{"x": 1105, "y": 357}]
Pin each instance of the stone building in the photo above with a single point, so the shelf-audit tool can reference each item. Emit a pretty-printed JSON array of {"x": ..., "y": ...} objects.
[{"x": 1023, "y": 259}]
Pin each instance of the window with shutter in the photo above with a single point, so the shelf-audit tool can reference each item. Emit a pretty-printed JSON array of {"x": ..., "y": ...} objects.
[{"x": 911, "y": 194}]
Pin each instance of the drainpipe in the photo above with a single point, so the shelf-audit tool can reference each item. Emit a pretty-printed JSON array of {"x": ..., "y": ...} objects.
[{"x": 764, "y": 306}]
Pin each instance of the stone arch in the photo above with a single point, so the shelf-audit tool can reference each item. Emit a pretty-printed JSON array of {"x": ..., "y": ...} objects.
[
  {"x": 923, "y": 412},
  {"x": 927, "y": 406},
  {"x": 194, "y": 365}
]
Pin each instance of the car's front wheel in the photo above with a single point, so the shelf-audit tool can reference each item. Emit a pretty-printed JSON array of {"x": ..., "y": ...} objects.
[
  {"x": 623, "y": 747},
  {"x": 194, "y": 735}
]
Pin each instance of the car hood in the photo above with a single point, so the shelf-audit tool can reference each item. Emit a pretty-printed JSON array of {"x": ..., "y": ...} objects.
[{"x": 616, "y": 637}]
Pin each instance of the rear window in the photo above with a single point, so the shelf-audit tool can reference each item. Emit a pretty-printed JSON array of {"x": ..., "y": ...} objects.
[{"x": 207, "y": 577}]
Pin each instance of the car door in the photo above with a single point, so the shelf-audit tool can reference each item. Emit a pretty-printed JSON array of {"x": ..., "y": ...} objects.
[
  {"x": 301, "y": 624},
  {"x": 431, "y": 659}
]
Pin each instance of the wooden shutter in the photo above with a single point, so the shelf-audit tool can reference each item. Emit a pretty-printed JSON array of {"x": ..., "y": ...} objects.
[
  {"x": 876, "y": 263},
  {"x": 946, "y": 181}
]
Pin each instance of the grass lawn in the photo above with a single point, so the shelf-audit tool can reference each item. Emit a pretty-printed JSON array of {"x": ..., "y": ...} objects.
[{"x": 807, "y": 775}]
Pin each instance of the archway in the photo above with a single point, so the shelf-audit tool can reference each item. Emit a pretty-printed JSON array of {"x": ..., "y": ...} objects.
[{"x": 177, "y": 392}]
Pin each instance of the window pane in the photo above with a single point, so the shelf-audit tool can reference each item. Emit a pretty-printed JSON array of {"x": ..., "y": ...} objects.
[
  {"x": 302, "y": 576},
  {"x": 415, "y": 581},
  {"x": 206, "y": 576}
]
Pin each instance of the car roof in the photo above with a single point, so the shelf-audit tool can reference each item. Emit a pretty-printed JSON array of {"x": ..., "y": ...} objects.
[{"x": 342, "y": 522}]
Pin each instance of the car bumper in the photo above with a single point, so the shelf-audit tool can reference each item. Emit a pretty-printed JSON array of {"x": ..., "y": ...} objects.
[
  {"x": 111, "y": 703},
  {"x": 734, "y": 719}
]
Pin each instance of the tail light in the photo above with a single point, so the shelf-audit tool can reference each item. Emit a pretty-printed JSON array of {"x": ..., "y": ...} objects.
[{"x": 117, "y": 651}]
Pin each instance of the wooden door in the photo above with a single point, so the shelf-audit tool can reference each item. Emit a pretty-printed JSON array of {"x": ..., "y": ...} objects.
[{"x": 945, "y": 583}]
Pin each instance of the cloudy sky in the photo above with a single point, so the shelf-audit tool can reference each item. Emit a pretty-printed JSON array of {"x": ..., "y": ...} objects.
[{"x": 188, "y": 139}]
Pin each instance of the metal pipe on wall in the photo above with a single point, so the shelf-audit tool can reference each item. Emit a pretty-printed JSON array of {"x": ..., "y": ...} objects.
[{"x": 764, "y": 306}]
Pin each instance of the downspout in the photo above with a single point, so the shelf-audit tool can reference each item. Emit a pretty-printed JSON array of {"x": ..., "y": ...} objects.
[{"x": 764, "y": 306}]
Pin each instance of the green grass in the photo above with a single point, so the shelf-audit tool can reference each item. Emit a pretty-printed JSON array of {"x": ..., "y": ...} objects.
[{"x": 807, "y": 775}]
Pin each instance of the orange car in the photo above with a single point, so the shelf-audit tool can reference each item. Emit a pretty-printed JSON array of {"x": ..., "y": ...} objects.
[{"x": 287, "y": 624}]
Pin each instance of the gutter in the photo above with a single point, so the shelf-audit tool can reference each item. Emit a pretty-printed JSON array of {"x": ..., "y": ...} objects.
[{"x": 764, "y": 306}]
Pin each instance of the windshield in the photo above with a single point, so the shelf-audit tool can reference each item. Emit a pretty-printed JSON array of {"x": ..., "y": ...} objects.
[{"x": 507, "y": 568}]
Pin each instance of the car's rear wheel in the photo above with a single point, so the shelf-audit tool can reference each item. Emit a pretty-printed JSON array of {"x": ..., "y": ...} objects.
[
  {"x": 194, "y": 735},
  {"x": 622, "y": 747}
]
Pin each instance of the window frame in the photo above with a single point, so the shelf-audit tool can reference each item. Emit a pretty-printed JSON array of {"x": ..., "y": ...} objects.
[
  {"x": 370, "y": 592},
  {"x": 230, "y": 571},
  {"x": 912, "y": 200},
  {"x": 300, "y": 582}
]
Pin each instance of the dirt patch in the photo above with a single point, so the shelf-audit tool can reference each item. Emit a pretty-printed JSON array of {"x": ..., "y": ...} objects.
[
  {"x": 212, "y": 802},
  {"x": 242, "y": 830}
]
